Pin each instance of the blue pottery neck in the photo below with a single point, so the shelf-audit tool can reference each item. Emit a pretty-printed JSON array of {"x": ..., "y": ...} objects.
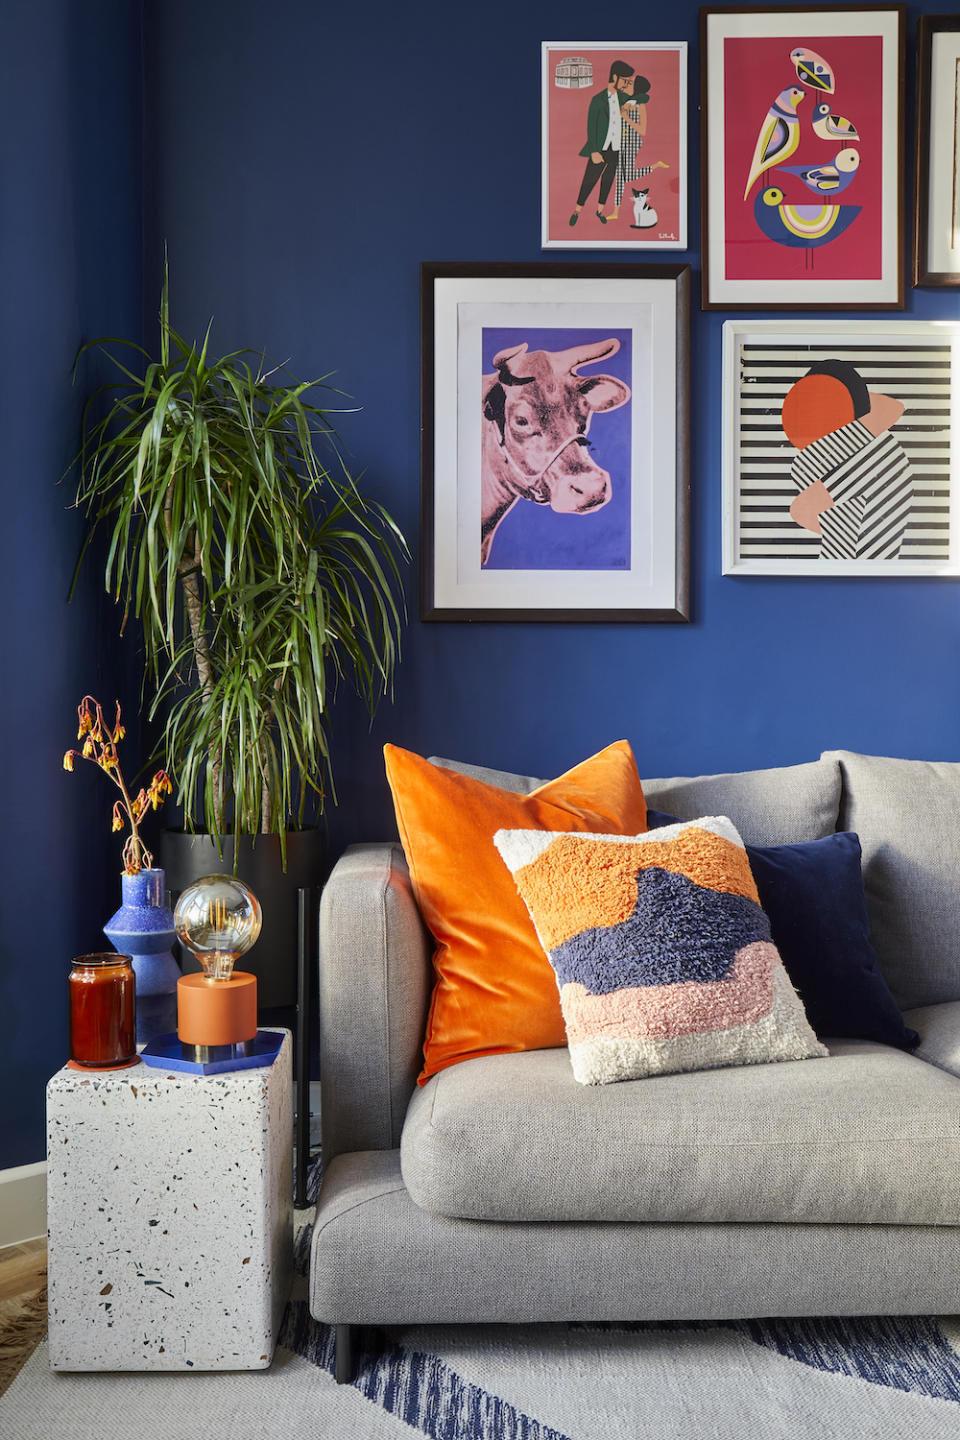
[{"x": 144, "y": 888}]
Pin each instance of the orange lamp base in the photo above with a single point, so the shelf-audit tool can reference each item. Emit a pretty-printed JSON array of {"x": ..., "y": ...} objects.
[{"x": 217, "y": 1012}]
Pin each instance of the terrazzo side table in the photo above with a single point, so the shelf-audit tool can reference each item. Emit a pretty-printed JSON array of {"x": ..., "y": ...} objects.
[{"x": 169, "y": 1214}]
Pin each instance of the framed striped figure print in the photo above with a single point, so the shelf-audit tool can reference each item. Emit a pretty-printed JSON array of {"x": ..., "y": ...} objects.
[{"x": 839, "y": 446}]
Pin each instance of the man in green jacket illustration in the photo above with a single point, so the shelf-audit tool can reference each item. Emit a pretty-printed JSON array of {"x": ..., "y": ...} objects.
[{"x": 602, "y": 150}]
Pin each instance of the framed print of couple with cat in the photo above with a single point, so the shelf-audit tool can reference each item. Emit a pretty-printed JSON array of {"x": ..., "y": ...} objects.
[{"x": 614, "y": 146}]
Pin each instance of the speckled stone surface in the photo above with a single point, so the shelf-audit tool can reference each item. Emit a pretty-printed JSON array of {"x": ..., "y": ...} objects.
[{"x": 169, "y": 1213}]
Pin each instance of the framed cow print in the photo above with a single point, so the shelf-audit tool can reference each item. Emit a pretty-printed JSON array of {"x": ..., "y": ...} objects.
[
  {"x": 555, "y": 432},
  {"x": 802, "y": 138},
  {"x": 838, "y": 448}
]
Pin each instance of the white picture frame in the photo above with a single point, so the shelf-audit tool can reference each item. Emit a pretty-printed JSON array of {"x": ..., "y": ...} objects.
[
  {"x": 572, "y": 73},
  {"x": 887, "y": 475}
]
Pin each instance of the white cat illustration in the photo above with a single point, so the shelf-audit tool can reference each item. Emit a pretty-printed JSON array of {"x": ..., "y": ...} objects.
[{"x": 644, "y": 216}]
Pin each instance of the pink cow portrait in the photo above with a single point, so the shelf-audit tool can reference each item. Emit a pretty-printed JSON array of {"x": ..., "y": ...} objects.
[{"x": 537, "y": 409}]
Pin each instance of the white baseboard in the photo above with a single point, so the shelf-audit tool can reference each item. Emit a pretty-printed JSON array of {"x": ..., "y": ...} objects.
[{"x": 23, "y": 1203}]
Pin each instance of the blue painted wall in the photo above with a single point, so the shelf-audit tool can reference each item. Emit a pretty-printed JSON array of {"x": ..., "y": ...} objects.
[
  {"x": 299, "y": 161},
  {"x": 317, "y": 162},
  {"x": 70, "y": 251}
]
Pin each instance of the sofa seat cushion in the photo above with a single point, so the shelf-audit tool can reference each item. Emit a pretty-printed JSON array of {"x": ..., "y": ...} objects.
[{"x": 867, "y": 1135}]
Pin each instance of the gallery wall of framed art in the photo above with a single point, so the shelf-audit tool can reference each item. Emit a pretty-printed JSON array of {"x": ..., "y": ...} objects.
[{"x": 555, "y": 397}]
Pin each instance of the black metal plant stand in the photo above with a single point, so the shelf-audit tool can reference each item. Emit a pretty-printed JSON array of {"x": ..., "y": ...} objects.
[{"x": 305, "y": 949}]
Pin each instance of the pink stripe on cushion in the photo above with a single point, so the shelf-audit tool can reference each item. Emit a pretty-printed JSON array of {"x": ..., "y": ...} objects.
[{"x": 686, "y": 1008}]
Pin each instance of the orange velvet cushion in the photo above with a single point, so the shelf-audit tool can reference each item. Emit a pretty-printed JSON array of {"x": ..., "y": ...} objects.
[{"x": 494, "y": 989}]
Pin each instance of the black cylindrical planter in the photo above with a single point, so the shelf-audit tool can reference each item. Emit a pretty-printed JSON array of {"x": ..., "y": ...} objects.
[{"x": 273, "y": 959}]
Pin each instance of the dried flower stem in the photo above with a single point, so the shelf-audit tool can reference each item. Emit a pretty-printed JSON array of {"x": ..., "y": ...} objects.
[{"x": 100, "y": 747}]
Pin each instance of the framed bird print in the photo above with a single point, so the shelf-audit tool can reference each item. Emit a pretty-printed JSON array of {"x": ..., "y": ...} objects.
[
  {"x": 838, "y": 447},
  {"x": 936, "y": 251},
  {"x": 802, "y": 144}
]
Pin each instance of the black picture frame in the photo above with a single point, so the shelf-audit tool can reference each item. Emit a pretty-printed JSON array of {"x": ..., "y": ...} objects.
[
  {"x": 932, "y": 216},
  {"x": 465, "y": 440},
  {"x": 807, "y": 291}
]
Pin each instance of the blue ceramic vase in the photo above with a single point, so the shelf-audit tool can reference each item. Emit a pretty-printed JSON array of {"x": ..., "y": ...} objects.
[{"x": 143, "y": 929}]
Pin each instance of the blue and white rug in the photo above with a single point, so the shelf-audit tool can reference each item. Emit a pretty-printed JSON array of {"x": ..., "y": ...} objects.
[{"x": 860, "y": 1379}]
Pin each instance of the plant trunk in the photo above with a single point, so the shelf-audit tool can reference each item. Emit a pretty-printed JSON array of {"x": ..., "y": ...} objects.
[
  {"x": 266, "y": 807},
  {"x": 201, "y": 650},
  {"x": 266, "y": 794}
]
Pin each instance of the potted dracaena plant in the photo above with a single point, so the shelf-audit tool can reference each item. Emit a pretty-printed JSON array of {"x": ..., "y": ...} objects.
[{"x": 260, "y": 576}]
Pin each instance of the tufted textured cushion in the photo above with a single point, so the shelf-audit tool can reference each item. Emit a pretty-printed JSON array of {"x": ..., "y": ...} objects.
[
  {"x": 907, "y": 815},
  {"x": 662, "y": 953}
]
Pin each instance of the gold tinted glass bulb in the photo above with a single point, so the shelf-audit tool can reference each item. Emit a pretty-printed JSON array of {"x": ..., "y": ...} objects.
[{"x": 218, "y": 919}]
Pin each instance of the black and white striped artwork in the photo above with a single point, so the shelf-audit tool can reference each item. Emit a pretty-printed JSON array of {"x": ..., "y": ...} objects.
[{"x": 878, "y": 475}]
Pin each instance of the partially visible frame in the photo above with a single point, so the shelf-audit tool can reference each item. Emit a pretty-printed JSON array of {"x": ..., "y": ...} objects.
[
  {"x": 838, "y": 445},
  {"x": 802, "y": 116},
  {"x": 936, "y": 250},
  {"x": 646, "y": 207},
  {"x": 555, "y": 442}
]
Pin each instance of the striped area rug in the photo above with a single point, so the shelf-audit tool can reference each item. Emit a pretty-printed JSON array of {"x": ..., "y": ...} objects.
[{"x": 862, "y": 1379}]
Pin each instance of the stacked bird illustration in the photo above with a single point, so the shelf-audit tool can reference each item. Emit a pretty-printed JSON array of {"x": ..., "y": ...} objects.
[
  {"x": 802, "y": 227},
  {"x": 779, "y": 134},
  {"x": 812, "y": 69},
  {"x": 832, "y": 127},
  {"x": 828, "y": 179}
]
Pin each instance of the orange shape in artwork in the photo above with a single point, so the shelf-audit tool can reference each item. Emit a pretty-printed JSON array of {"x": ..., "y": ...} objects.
[{"x": 813, "y": 407}]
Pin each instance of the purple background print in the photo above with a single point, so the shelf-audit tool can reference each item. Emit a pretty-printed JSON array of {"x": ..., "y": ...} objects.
[{"x": 534, "y": 537}]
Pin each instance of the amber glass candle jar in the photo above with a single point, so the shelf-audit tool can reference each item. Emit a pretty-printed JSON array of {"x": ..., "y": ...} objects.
[{"x": 102, "y": 1010}]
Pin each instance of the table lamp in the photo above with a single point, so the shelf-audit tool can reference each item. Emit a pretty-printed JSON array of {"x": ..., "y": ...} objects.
[{"x": 218, "y": 919}]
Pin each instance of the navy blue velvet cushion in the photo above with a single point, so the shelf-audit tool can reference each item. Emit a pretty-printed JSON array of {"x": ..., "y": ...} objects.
[{"x": 812, "y": 894}]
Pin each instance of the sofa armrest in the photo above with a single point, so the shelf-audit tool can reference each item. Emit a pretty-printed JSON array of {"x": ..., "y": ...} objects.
[
  {"x": 939, "y": 1029},
  {"x": 375, "y": 977}
]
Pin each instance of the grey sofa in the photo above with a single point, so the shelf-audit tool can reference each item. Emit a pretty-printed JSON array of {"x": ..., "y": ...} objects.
[{"x": 504, "y": 1191}]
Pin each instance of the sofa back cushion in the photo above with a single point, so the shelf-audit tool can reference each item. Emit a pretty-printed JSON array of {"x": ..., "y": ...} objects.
[
  {"x": 781, "y": 806},
  {"x": 907, "y": 814}
]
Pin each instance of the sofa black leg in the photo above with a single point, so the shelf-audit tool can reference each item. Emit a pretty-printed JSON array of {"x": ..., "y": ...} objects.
[{"x": 344, "y": 1353}]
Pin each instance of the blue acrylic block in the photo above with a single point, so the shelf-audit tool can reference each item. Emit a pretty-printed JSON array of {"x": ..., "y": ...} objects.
[{"x": 167, "y": 1052}]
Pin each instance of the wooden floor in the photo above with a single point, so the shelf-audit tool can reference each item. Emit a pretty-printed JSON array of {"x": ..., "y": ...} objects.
[
  {"x": 23, "y": 1269},
  {"x": 23, "y": 1284}
]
